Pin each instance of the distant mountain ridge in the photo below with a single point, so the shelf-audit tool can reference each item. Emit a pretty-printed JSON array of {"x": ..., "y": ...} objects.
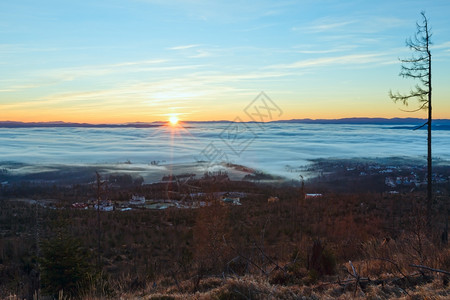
[
  {"x": 14, "y": 124},
  {"x": 441, "y": 123},
  {"x": 375, "y": 121}
]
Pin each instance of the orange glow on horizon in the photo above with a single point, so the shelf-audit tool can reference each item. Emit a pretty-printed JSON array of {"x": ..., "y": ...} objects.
[{"x": 291, "y": 110}]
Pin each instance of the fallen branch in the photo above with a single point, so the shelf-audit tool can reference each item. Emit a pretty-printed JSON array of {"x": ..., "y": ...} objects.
[
  {"x": 270, "y": 259},
  {"x": 395, "y": 264},
  {"x": 251, "y": 262},
  {"x": 429, "y": 269},
  {"x": 245, "y": 258},
  {"x": 354, "y": 270},
  {"x": 358, "y": 279}
]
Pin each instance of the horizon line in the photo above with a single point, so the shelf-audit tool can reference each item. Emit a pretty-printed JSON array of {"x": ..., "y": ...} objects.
[{"x": 219, "y": 121}]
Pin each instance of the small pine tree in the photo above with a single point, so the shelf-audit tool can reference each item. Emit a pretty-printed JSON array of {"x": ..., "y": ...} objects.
[{"x": 65, "y": 265}]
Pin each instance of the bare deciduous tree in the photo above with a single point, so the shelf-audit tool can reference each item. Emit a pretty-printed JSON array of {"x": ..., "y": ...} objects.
[{"x": 418, "y": 67}]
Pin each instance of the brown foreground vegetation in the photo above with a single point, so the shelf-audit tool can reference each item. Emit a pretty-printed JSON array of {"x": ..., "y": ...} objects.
[{"x": 340, "y": 245}]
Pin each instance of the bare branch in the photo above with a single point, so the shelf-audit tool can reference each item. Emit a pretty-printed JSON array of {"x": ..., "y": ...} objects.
[
  {"x": 430, "y": 269},
  {"x": 417, "y": 67},
  {"x": 394, "y": 263},
  {"x": 424, "y": 106},
  {"x": 415, "y": 76},
  {"x": 413, "y": 59},
  {"x": 414, "y": 69},
  {"x": 270, "y": 259},
  {"x": 247, "y": 259},
  {"x": 421, "y": 126},
  {"x": 404, "y": 98},
  {"x": 355, "y": 274}
]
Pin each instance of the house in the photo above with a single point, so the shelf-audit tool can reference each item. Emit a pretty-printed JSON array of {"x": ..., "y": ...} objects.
[
  {"x": 137, "y": 200},
  {"x": 80, "y": 205},
  {"x": 232, "y": 200},
  {"x": 310, "y": 196},
  {"x": 273, "y": 199},
  {"x": 105, "y": 206},
  {"x": 389, "y": 182}
]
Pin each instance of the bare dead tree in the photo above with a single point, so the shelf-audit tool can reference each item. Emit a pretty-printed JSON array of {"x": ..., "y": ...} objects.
[{"x": 418, "y": 67}]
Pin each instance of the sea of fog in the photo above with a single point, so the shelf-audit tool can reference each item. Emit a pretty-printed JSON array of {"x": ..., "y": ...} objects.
[{"x": 276, "y": 148}]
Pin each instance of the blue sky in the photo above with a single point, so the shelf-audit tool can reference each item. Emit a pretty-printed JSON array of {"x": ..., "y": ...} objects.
[{"x": 143, "y": 60}]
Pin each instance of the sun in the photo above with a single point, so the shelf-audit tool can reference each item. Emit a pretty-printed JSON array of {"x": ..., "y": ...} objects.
[{"x": 173, "y": 120}]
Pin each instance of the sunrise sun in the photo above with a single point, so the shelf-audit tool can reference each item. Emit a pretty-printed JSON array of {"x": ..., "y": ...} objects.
[{"x": 173, "y": 120}]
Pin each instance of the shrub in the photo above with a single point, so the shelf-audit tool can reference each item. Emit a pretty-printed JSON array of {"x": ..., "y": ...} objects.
[{"x": 321, "y": 260}]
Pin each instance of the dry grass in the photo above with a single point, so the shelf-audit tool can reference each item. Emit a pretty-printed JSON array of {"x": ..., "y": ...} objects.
[
  {"x": 430, "y": 286},
  {"x": 254, "y": 287}
]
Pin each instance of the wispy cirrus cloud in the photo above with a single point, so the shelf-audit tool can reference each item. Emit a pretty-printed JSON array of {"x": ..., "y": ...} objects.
[
  {"x": 225, "y": 11},
  {"x": 161, "y": 94},
  {"x": 356, "y": 25},
  {"x": 54, "y": 76},
  {"x": 323, "y": 25},
  {"x": 19, "y": 87},
  {"x": 201, "y": 53},
  {"x": 352, "y": 59},
  {"x": 27, "y": 48},
  {"x": 71, "y": 73},
  {"x": 183, "y": 47},
  {"x": 444, "y": 45},
  {"x": 320, "y": 49}
]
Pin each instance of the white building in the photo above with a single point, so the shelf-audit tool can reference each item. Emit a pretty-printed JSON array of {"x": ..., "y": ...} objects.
[{"x": 137, "y": 200}]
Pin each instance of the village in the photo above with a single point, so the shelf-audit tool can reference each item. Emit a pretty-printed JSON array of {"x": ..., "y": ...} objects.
[
  {"x": 184, "y": 191},
  {"x": 388, "y": 176},
  {"x": 140, "y": 202},
  {"x": 406, "y": 176},
  {"x": 174, "y": 191},
  {"x": 124, "y": 192}
]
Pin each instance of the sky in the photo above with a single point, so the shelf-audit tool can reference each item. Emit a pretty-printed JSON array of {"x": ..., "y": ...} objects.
[{"x": 116, "y": 61}]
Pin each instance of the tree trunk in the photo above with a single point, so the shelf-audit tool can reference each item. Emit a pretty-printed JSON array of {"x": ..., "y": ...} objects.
[{"x": 429, "y": 159}]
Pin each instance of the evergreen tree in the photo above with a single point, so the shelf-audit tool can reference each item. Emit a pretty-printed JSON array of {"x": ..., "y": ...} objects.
[{"x": 65, "y": 265}]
